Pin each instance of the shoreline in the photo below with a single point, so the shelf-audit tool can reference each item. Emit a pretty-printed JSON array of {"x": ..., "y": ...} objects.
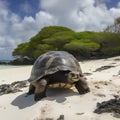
[
  {"x": 103, "y": 81},
  {"x": 18, "y": 62},
  {"x": 7, "y": 66}
]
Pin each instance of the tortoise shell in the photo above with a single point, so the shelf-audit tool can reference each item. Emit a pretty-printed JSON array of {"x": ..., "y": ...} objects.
[{"x": 52, "y": 62}]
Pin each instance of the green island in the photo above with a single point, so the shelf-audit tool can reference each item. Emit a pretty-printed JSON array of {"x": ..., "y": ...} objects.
[{"x": 83, "y": 45}]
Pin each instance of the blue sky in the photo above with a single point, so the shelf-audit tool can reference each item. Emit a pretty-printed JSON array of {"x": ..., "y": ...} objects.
[
  {"x": 111, "y": 3},
  {"x": 24, "y": 7},
  {"x": 22, "y": 19}
]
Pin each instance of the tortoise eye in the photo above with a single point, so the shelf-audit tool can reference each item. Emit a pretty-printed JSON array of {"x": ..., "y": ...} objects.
[
  {"x": 76, "y": 76},
  {"x": 72, "y": 74}
]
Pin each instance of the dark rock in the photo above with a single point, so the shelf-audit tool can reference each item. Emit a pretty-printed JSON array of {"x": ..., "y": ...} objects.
[
  {"x": 19, "y": 84},
  {"x": 3, "y": 88},
  {"x": 13, "y": 87},
  {"x": 22, "y": 61},
  {"x": 103, "y": 68},
  {"x": 110, "y": 106},
  {"x": 3, "y": 63}
]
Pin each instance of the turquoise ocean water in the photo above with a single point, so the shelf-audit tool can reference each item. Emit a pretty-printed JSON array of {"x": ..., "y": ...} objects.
[{"x": 7, "y": 66}]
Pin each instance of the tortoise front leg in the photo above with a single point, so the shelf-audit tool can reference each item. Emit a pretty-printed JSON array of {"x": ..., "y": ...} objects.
[
  {"x": 40, "y": 89},
  {"x": 31, "y": 89},
  {"x": 82, "y": 86}
]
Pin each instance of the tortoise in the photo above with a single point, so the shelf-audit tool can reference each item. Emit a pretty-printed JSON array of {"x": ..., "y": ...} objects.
[{"x": 56, "y": 69}]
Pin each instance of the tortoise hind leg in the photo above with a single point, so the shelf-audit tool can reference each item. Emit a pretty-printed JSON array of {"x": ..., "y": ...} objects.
[
  {"x": 82, "y": 86},
  {"x": 40, "y": 89},
  {"x": 31, "y": 89}
]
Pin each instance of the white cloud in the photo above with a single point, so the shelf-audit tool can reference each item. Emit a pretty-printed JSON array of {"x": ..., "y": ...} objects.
[
  {"x": 115, "y": 12},
  {"x": 119, "y": 4},
  {"x": 79, "y": 15},
  {"x": 76, "y": 14}
]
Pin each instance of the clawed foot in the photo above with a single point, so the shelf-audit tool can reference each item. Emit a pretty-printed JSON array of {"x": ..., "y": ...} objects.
[
  {"x": 83, "y": 91},
  {"x": 82, "y": 87},
  {"x": 30, "y": 93},
  {"x": 38, "y": 97}
]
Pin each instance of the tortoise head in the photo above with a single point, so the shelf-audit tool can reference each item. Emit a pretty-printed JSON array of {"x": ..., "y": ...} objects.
[{"x": 73, "y": 76}]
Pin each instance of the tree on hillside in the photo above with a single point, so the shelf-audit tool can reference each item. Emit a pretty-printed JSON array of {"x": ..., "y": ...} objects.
[
  {"x": 84, "y": 44},
  {"x": 115, "y": 28},
  {"x": 49, "y": 38},
  {"x": 21, "y": 50}
]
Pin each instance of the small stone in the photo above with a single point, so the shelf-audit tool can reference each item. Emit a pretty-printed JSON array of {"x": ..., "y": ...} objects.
[
  {"x": 79, "y": 113},
  {"x": 49, "y": 119},
  {"x": 100, "y": 94},
  {"x": 119, "y": 72},
  {"x": 87, "y": 74},
  {"x": 61, "y": 117},
  {"x": 97, "y": 87},
  {"x": 117, "y": 59},
  {"x": 105, "y": 83}
]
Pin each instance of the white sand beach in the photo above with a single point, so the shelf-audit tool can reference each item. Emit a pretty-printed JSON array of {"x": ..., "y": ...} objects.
[{"x": 103, "y": 84}]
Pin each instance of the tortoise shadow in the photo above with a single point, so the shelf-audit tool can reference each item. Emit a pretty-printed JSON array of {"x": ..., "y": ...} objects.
[
  {"x": 22, "y": 101},
  {"x": 60, "y": 95}
]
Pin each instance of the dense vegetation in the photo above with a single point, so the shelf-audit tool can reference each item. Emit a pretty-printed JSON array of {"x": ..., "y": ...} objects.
[{"x": 85, "y": 44}]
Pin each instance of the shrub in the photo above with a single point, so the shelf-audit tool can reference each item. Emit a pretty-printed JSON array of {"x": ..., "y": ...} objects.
[
  {"x": 82, "y": 47},
  {"x": 40, "y": 49}
]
